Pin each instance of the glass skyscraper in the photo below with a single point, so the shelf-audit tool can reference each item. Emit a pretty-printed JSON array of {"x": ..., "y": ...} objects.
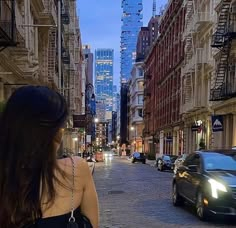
[
  {"x": 131, "y": 24},
  {"x": 104, "y": 59}
]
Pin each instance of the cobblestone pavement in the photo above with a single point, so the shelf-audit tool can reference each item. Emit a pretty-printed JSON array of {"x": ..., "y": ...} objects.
[{"x": 137, "y": 195}]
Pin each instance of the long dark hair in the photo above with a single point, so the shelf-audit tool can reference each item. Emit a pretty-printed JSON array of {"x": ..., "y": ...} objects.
[{"x": 31, "y": 119}]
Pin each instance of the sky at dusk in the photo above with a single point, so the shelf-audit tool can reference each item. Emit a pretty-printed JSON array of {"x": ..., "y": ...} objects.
[{"x": 100, "y": 24}]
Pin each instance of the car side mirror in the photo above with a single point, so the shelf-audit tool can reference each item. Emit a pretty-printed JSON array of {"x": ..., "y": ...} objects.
[{"x": 193, "y": 168}]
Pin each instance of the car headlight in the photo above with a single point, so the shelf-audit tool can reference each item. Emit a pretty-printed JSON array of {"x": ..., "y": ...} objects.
[
  {"x": 106, "y": 155},
  {"x": 215, "y": 187},
  {"x": 110, "y": 155}
]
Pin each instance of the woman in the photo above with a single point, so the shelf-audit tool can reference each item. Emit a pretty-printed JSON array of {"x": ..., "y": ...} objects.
[{"x": 35, "y": 187}]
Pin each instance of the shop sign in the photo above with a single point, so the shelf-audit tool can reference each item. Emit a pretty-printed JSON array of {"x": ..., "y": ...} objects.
[{"x": 217, "y": 123}]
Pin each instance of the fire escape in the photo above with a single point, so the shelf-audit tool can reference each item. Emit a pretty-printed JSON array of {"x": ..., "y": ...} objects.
[
  {"x": 147, "y": 107},
  {"x": 7, "y": 24},
  {"x": 188, "y": 70},
  {"x": 222, "y": 40}
]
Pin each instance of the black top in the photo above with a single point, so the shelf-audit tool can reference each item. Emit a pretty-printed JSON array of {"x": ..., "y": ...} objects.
[{"x": 59, "y": 221}]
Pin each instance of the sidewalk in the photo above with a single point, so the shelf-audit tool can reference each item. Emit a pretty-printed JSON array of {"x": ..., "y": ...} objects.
[{"x": 151, "y": 162}]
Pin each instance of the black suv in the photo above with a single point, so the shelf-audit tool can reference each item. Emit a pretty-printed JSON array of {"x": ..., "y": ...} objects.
[
  {"x": 166, "y": 162},
  {"x": 207, "y": 179},
  {"x": 139, "y": 157}
]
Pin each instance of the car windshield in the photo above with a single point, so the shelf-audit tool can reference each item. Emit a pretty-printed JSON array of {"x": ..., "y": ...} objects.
[
  {"x": 171, "y": 158},
  {"x": 166, "y": 158},
  {"x": 136, "y": 154},
  {"x": 216, "y": 161}
]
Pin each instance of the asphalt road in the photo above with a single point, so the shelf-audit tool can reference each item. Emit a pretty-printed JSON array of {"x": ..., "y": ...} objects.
[{"x": 137, "y": 195}]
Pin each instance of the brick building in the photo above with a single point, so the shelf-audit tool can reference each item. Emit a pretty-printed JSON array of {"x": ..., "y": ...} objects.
[{"x": 163, "y": 132}]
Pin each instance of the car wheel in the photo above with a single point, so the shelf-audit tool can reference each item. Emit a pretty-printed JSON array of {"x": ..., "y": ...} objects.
[
  {"x": 144, "y": 162},
  {"x": 200, "y": 207},
  {"x": 176, "y": 198},
  {"x": 133, "y": 161}
]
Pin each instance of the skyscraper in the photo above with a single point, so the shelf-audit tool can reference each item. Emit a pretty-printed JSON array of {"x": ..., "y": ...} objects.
[
  {"x": 104, "y": 59},
  {"x": 88, "y": 56},
  {"x": 131, "y": 24}
]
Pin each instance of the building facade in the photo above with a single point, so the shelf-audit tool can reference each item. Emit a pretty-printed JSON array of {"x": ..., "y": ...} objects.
[
  {"x": 163, "y": 132},
  {"x": 26, "y": 55},
  {"x": 104, "y": 59},
  {"x": 136, "y": 124},
  {"x": 131, "y": 24},
  {"x": 208, "y": 76},
  {"x": 30, "y": 51},
  {"x": 146, "y": 38},
  {"x": 101, "y": 133},
  {"x": 88, "y": 57}
]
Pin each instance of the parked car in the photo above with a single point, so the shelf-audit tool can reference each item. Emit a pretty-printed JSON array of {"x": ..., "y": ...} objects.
[
  {"x": 179, "y": 161},
  {"x": 166, "y": 162},
  {"x": 138, "y": 157},
  {"x": 207, "y": 179}
]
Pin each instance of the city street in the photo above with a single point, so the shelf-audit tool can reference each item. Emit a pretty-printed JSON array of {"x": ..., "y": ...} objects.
[{"x": 137, "y": 195}]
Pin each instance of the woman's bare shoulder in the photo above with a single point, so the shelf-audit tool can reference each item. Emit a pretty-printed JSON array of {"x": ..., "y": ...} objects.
[{"x": 66, "y": 163}]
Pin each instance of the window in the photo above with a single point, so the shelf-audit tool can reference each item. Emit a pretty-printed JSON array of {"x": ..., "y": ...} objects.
[
  {"x": 140, "y": 85},
  {"x": 140, "y": 99},
  {"x": 140, "y": 112},
  {"x": 140, "y": 72},
  {"x": 192, "y": 159}
]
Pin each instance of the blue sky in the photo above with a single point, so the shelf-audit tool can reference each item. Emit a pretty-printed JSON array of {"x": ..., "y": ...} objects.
[{"x": 100, "y": 24}]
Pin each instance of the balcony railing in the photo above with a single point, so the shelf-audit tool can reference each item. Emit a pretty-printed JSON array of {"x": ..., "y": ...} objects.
[{"x": 7, "y": 23}]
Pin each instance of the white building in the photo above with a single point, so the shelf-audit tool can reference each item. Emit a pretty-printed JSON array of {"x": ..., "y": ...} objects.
[{"x": 136, "y": 108}]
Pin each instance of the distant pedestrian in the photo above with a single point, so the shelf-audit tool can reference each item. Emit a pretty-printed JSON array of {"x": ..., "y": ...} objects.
[{"x": 36, "y": 188}]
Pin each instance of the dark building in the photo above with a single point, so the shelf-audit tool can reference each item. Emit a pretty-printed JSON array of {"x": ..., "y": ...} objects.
[
  {"x": 101, "y": 133},
  {"x": 88, "y": 56},
  {"x": 153, "y": 27},
  {"x": 146, "y": 37},
  {"x": 142, "y": 44},
  {"x": 114, "y": 125},
  {"x": 123, "y": 113}
]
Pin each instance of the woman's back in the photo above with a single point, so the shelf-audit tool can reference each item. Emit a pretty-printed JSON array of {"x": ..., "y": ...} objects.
[
  {"x": 84, "y": 199},
  {"x": 34, "y": 185}
]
